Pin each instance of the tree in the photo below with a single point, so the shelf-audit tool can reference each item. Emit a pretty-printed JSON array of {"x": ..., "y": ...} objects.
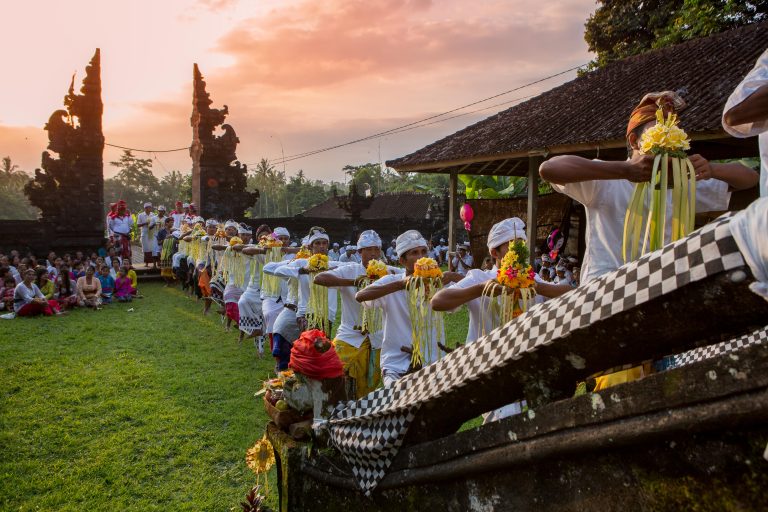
[
  {"x": 14, "y": 204},
  {"x": 134, "y": 183},
  {"x": 622, "y": 28},
  {"x": 11, "y": 177},
  {"x": 175, "y": 186},
  {"x": 271, "y": 186}
]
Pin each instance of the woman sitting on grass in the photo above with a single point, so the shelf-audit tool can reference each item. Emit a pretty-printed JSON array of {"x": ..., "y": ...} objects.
[
  {"x": 28, "y": 300},
  {"x": 131, "y": 274},
  {"x": 65, "y": 288},
  {"x": 123, "y": 288},
  {"x": 107, "y": 285},
  {"x": 44, "y": 283},
  {"x": 89, "y": 290}
]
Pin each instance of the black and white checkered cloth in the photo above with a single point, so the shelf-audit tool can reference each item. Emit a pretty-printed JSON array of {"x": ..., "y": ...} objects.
[
  {"x": 702, "y": 353},
  {"x": 370, "y": 431}
]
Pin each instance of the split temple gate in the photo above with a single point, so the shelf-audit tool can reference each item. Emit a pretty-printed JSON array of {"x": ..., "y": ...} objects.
[
  {"x": 69, "y": 190},
  {"x": 218, "y": 179}
]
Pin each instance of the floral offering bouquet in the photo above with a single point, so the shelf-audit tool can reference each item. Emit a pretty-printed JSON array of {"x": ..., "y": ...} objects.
[
  {"x": 260, "y": 458},
  {"x": 232, "y": 263},
  {"x": 646, "y": 215},
  {"x": 317, "y": 307},
  {"x": 516, "y": 277},
  {"x": 196, "y": 246},
  {"x": 426, "y": 280},
  {"x": 273, "y": 245},
  {"x": 371, "y": 318}
]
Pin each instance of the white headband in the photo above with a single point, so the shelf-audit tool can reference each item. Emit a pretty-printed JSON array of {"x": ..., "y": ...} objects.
[
  {"x": 409, "y": 240},
  {"x": 506, "y": 231},
  {"x": 281, "y": 232},
  {"x": 368, "y": 238},
  {"x": 317, "y": 235}
]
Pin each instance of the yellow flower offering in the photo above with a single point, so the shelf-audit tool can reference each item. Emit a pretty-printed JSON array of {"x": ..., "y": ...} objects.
[
  {"x": 645, "y": 220},
  {"x": 317, "y": 307},
  {"x": 317, "y": 263},
  {"x": 235, "y": 240},
  {"x": 427, "y": 278},
  {"x": 376, "y": 270},
  {"x": 303, "y": 254},
  {"x": 517, "y": 278},
  {"x": 260, "y": 458},
  {"x": 428, "y": 268},
  {"x": 270, "y": 241},
  {"x": 371, "y": 318}
]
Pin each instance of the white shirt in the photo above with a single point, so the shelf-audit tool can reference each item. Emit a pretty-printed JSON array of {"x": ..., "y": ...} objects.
[
  {"x": 480, "y": 318},
  {"x": 290, "y": 295},
  {"x": 177, "y": 218},
  {"x": 22, "y": 295},
  {"x": 349, "y": 258},
  {"x": 391, "y": 254},
  {"x": 121, "y": 225},
  {"x": 462, "y": 265},
  {"x": 146, "y": 218},
  {"x": 755, "y": 79},
  {"x": 333, "y": 255},
  {"x": 290, "y": 270},
  {"x": 397, "y": 329},
  {"x": 606, "y": 204},
  {"x": 351, "y": 309}
]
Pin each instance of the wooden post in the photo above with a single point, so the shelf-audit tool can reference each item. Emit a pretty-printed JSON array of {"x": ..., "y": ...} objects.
[
  {"x": 534, "y": 161},
  {"x": 452, "y": 211}
]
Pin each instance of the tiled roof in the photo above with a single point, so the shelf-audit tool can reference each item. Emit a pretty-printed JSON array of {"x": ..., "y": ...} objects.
[
  {"x": 594, "y": 108},
  {"x": 396, "y": 205}
]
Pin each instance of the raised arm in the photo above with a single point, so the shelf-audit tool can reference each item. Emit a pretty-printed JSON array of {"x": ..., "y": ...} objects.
[
  {"x": 252, "y": 250},
  {"x": 284, "y": 270},
  {"x": 736, "y": 175},
  {"x": 331, "y": 280},
  {"x": 453, "y": 297},
  {"x": 376, "y": 291},
  {"x": 551, "y": 290},
  {"x": 753, "y": 109},
  {"x": 572, "y": 169}
]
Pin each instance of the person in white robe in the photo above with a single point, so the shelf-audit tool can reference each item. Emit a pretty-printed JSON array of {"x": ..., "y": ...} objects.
[{"x": 746, "y": 113}]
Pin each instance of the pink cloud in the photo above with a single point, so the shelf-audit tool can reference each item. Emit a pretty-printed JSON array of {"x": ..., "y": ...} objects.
[{"x": 318, "y": 44}]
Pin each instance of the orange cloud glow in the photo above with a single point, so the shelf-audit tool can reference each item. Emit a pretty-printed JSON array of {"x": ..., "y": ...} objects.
[{"x": 296, "y": 74}]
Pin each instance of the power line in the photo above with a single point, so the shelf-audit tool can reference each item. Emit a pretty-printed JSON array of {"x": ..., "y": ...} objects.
[
  {"x": 421, "y": 121},
  {"x": 396, "y": 131},
  {"x": 148, "y": 150}
]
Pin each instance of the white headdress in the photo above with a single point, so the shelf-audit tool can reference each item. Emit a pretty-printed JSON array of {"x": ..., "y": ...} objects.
[
  {"x": 368, "y": 238},
  {"x": 506, "y": 231},
  {"x": 409, "y": 240},
  {"x": 280, "y": 231}
]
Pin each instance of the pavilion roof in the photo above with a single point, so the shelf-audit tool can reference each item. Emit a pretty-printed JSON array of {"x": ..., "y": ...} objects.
[{"x": 588, "y": 115}]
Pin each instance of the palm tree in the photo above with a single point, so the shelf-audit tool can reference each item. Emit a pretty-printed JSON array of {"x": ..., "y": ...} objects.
[{"x": 11, "y": 177}]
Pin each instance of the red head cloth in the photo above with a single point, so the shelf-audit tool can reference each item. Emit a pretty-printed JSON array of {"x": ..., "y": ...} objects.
[
  {"x": 669, "y": 102},
  {"x": 179, "y": 203},
  {"x": 308, "y": 360}
]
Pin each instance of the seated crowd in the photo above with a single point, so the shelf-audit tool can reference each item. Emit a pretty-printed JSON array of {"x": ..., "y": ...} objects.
[{"x": 48, "y": 286}]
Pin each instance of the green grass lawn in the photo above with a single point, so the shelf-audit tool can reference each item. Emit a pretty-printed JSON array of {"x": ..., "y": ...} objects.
[{"x": 145, "y": 410}]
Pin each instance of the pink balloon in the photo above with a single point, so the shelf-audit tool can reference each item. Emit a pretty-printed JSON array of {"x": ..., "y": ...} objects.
[{"x": 466, "y": 213}]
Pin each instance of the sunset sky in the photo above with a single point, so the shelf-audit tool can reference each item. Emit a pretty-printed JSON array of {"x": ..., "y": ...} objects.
[{"x": 305, "y": 73}]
